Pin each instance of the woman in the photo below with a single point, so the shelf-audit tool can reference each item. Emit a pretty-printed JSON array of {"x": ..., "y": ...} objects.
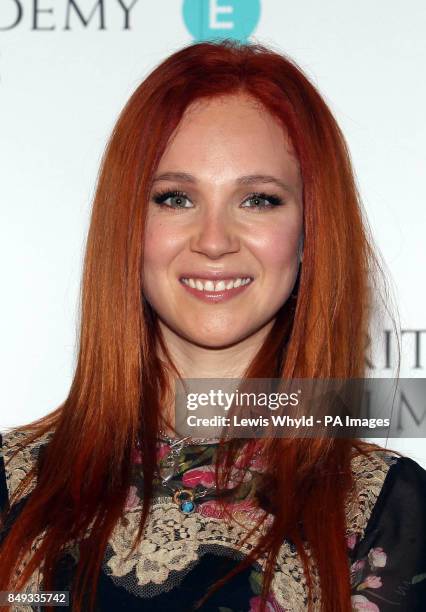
[{"x": 225, "y": 164}]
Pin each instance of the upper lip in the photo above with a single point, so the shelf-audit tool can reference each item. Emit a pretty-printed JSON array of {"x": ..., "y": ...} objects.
[{"x": 215, "y": 275}]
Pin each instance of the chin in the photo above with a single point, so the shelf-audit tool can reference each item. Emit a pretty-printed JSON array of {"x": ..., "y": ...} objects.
[
  {"x": 217, "y": 338},
  {"x": 217, "y": 342}
]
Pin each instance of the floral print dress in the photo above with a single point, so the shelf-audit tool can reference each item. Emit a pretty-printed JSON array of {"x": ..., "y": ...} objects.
[{"x": 183, "y": 553}]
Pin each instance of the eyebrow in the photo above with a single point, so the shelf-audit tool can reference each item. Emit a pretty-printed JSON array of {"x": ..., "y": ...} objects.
[{"x": 248, "y": 179}]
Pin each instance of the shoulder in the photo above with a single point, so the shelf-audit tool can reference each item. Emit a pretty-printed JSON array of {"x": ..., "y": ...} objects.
[
  {"x": 378, "y": 476},
  {"x": 18, "y": 455},
  {"x": 388, "y": 563},
  {"x": 383, "y": 471},
  {"x": 402, "y": 496}
]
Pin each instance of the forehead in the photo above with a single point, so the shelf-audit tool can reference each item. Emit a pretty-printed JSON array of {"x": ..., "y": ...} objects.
[{"x": 233, "y": 126}]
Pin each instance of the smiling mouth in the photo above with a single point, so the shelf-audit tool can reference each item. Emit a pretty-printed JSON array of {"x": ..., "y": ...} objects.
[{"x": 216, "y": 286}]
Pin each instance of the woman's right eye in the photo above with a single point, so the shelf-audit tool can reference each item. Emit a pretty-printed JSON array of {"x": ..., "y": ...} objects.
[{"x": 178, "y": 197}]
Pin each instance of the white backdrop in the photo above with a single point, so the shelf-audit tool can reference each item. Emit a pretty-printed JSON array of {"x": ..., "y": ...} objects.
[{"x": 62, "y": 85}]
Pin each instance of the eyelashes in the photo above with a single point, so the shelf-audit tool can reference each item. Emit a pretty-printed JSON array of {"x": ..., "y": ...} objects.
[
  {"x": 161, "y": 196},
  {"x": 273, "y": 200}
]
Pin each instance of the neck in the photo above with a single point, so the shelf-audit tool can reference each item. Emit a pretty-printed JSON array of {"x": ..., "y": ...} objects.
[
  {"x": 195, "y": 361},
  {"x": 198, "y": 361}
]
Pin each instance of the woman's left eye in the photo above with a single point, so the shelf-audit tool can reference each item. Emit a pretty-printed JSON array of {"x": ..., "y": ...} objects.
[{"x": 259, "y": 200}]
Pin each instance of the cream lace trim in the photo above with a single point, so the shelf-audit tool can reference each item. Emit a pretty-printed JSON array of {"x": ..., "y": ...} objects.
[
  {"x": 369, "y": 475},
  {"x": 174, "y": 541},
  {"x": 16, "y": 469}
]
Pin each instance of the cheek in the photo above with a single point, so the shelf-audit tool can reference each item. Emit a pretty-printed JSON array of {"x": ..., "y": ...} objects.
[
  {"x": 161, "y": 246},
  {"x": 276, "y": 248}
]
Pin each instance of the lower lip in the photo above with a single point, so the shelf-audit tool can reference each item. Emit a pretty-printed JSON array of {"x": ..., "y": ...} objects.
[{"x": 216, "y": 296}]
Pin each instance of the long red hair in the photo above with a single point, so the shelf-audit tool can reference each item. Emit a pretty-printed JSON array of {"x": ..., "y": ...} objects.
[{"x": 119, "y": 382}]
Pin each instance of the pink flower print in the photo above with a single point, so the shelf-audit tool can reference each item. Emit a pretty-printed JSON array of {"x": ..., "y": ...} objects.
[
  {"x": 246, "y": 509},
  {"x": 377, "y": 557},
  {"x": 163, "y": 449},
  {"x": 358, "y": 565},
  {"x": 133, "y": 499},
  {"x": 203, "y": 475},
  {"x": 271, "y": 604},
  {"x": 351, "y": 541},
  {"x": 241, "y": 511},
  {"x": 357, "y": 570},
  {"x": 211, "y": 509},
  {"x": 235, "y": 477},
  {"x": 371, "y": 582},
  {"x": 256, "y": 463},
  {"x": 359, "y": 602}
]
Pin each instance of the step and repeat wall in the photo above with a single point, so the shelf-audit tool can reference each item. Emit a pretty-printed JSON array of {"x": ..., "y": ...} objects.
[{"x": 66, "y": 69}]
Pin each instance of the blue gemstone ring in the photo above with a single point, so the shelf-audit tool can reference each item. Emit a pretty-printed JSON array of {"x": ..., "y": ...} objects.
[
  {"x": 187, "y": 506},
  {"x": 183, "y": 495},
  {"x": 185, "y": 498}
]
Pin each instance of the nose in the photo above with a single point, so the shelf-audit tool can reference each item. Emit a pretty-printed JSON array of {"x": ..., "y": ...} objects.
[{"x": 215, "y": 234}]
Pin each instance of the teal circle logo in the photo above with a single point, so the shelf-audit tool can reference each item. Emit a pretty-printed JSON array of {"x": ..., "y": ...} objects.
[{"x": 210, "y": 19}]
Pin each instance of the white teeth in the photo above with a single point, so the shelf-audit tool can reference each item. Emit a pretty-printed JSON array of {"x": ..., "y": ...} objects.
[{"x": 220, "y": 285}]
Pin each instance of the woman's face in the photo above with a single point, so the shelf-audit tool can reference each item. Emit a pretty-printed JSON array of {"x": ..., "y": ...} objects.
[{"x": 217, "y": 223}]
